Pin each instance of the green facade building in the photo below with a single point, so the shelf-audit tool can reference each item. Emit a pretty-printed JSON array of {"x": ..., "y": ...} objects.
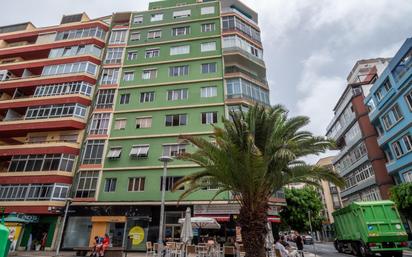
[{"x": 172, "y": 70}]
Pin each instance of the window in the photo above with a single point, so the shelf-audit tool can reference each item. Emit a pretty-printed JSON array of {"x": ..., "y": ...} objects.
[
  {"x": 110, "y": 184},
  {"x": 75, "y": 67},
  {"x": 128, "y": 76},
  {"x": 105, "y": 98},
  {"x": 93, "y": 152},
  {"x": 397, "y": 148},
  {"x": 156, "y": 17},
  {"x": 379, "y": 94},
  {"x": 177, "y": 71},
  {"x": 404, "y": 65},
  {"x": 207, "y": 47},
  {"x": 150, "y": 53},
  {"x": 149, "y": 74},
  {"x": 81, "y": 33},
  {"x": 181, "y": 14},
  {"x": 109, "y": 76},
  {"x": 135, "y": 36},
  {"x": 75, "y": 51},
  {"x": 173, "y": 150},
  {"x": 78, "y": 87},
  {"x": 180, "y": 31},
  {"x": 87, "y": 184},
  {"x": 170, "y": 183},
  {"x": 154, "y": 34},
  {"x": 407, "y": 140},
  {"x": 118, "y": 37},
  {"x": 387, "y": 85},
  {"x": 33, "y": 192},
  {"x": 230, "y": 23},
  {"x": 113, "y": 55},
  {"x": 55, "y": 111},
  {"x": 136, "y": 184},
  {"x": 408, "y": 98},
  {"x": 143, "y": 122},
  {"x": 138, "y": 19},
  {"x": 176, "y": 120},
  {"x": 208, "y": 27},
  {"x": 176, "y": 50},
  {"x": 207, "y": 10},
  {"x": 241, "y": 88},
  {"x": 208, "y": 68},
  {"x": 131, "y": 55},
  {"x": 139, "y": 151},
  {"x": 407, "y": 176},
  {"x": 41, "y": 162},
  {"x": 99, "y": 124},
  {"x": 124, "y": 98},
  {"x": 391, "y": 117},
  {"x": 238, "y": 42},
  {"x": 208, "y": 91},
  {"x": 177, "y": 94},
  {"x": 146, "y": 97},
  {"x": 120, "y": 124},
  {"x": 114, "y": 153},
  {"x": 209, "y": 117}
]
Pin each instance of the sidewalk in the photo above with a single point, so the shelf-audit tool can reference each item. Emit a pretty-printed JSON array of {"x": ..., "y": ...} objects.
[{"x": 73, "y": 254}]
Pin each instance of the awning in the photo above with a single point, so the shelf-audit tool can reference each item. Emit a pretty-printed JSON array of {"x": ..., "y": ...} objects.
[
  {"x": 274, "y": 219},
  {"x": 218, "y": 218}
]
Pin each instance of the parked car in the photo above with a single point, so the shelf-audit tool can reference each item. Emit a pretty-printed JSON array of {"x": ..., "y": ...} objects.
[{"x": 307, "y": 240}]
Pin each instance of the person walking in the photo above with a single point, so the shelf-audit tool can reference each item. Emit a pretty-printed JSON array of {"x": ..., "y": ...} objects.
[
  {"x": 43, "y": 241},
  {"x": 299, "y": 244}
]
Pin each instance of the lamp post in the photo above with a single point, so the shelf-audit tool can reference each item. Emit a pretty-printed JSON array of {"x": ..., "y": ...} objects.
[
  {"x": 60, "y": 236},
  {"x": 165, "y": 160}
]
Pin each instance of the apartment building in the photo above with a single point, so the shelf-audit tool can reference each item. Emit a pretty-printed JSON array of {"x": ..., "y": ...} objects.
[
  {"x": 47, "y": 81},
  {"x": 390, "y": 105},
  {"x": 172, "y": 70},
  {"x": 360, "y": 160},
  {"x": 331, "y": 200}
]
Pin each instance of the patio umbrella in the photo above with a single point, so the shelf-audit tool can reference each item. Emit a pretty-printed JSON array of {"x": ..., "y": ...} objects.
[
  {"x": 187, "y": 231},
  {"x": 269, "y": 241},
  {"x": 202, "y": 223}
]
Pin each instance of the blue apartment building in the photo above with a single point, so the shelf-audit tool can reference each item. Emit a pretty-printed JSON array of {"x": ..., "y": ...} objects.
[{"x": 390, "y": 105}]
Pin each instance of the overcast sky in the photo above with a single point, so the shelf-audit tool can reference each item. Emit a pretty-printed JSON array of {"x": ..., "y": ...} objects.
[{"x": 310, "y": 46}]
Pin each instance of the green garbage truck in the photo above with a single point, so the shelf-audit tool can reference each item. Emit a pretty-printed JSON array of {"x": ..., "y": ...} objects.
[{"x": 368, "y": 228}]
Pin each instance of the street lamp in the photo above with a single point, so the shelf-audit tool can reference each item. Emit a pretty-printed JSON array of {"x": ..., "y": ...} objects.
[
  {"x": 60, "y": 236},
  {"x": 165, "y": 159}
]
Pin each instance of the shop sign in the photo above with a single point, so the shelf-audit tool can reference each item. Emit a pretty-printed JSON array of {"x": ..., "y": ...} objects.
[
  {"x": 29, "y": 218},
  {"x": 136, "y": 234},
  {"x": 204, "y": 209}
]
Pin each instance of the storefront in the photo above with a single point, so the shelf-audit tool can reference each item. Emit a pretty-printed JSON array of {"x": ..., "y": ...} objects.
[{"x": 34, "y": 231}]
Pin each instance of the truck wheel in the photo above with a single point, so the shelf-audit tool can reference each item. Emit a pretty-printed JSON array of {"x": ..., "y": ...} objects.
[
  {"x": 355, "y": 249},
  {"x": 363, "y": 251}
]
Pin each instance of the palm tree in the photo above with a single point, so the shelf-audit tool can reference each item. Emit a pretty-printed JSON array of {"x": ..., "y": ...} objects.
[{"x": 253, "y": 156}]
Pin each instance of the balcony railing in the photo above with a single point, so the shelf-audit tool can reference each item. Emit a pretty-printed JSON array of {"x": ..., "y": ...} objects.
[{"x": 234, "y": 69}]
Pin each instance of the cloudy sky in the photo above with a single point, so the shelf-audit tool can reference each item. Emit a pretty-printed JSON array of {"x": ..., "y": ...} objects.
[{"x": 310, "y": 45}]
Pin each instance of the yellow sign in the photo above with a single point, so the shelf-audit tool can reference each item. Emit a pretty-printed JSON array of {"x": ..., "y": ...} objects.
[{"x": 137, "y": 235}]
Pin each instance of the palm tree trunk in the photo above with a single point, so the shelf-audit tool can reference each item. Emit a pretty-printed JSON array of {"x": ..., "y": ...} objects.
[{"x": 253, "y": 224}]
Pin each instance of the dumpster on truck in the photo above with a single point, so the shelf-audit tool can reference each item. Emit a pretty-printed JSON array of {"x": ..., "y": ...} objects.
[{"x": 366, "y": 228}]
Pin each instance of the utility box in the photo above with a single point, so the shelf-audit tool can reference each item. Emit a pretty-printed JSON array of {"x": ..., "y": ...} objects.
[
  {"x": 365, "y": 228},
  {"x": 4, "y": 240}
]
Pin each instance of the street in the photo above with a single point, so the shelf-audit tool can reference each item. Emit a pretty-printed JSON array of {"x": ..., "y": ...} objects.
[{"x": 328, "y": 250}]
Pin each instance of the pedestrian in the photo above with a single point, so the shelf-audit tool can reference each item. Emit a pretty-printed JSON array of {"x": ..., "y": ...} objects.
[
  {"x": 43, "y": 241},
  {"x": 106, "y": 244},
  {"x": 279, "y": 246},
  {"x": 299, "y": 243}
]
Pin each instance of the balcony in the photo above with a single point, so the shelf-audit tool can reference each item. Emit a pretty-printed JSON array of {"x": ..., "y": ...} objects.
[
  {"x": 27, "y": 101},
  {"x": 358, "y": 187},
  {"x": 33, "y": 81},
  {"x": 22, "y": 127},
  {"x": 46, "y": 147},
  {"x": 235, "y": 71},
  {"x": 33, "y": 49}
]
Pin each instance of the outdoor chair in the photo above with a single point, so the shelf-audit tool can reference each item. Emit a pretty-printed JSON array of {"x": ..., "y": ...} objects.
[
  {"x": 191, "y": 251},
  {"x": 149, "y": 249},
  {"x": 241, "y": 251},
  {"x": 229, "y": 250},
  {"x": 201, "y": 251},
  {"x": 178, "y": 250}
]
